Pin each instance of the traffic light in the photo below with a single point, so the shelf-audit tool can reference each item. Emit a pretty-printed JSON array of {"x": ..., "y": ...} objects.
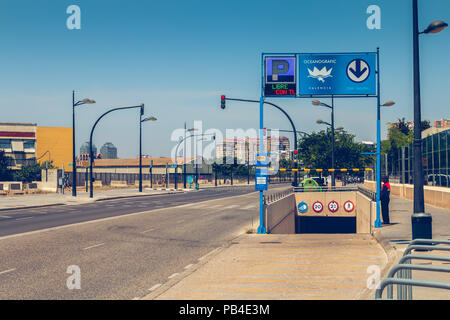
[
  {"x": 295, "y": 154},
  {"x": 222, "y": 102}
]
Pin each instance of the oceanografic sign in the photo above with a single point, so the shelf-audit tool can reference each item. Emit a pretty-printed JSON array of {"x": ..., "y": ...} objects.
[
  {"x": 280, "y": 76},
  {"x": 337, "y": 74}
]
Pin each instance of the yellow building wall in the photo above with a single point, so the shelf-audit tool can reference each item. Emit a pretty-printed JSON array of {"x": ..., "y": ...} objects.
[{"x": 58, "y": 142}]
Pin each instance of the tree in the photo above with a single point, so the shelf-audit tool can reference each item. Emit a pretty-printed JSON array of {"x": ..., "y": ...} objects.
[
  {"x": 28, "y": 173},
  {"x": 316, "y": 149},
  {"x": 5, "y": 173}
]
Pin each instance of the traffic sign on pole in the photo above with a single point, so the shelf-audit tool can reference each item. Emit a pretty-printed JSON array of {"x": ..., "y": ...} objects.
[
  {"x": 337, "y": 74},
  {"x": 280, "y": 76}
]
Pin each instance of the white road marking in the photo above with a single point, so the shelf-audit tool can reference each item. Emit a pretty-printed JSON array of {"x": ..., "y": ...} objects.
[
  {"x": 173, "y": 275},
  {"x": 188, "y": 266},
  {"x": 148, "y": 230},
  {"x": 156, "y": 286},
  {"x": 26, "y": 218},
  {"x": 94, "y": 246},
  {"x": 216, "y": 206},
  {"x": 7, "y": 217},
  {"x": 249, "y": 207},
  {"x": 232, "y": 206},
  {"x": 6, "y": 271}
]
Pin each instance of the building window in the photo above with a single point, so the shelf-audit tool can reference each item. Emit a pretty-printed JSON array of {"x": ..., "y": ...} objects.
[
  {"x": 28, "y": 144},
  {"x": 5, "y": 143}
]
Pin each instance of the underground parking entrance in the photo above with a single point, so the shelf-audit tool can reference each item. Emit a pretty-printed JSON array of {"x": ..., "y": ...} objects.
[
  {"x": 323, "y": 224},
  {"x": 328, "y": 211}
]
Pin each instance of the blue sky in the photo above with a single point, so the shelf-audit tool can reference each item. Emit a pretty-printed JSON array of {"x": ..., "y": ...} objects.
[{"x": 178, "y": 57}]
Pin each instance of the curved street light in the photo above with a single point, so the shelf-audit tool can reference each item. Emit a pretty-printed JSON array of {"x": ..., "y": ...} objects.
[
  {"x": 178, "y": 145},
  {"x": 224, "y": 98},
  {"x": 91, "y": 156},
  {"x": 74, "y": 163},
  {"x": 318, "y": 103}
]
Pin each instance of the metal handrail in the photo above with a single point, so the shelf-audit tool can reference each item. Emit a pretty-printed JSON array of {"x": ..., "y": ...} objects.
[
  {"x": 408, "y": 282},
  {"x": 368, "y": 193},
  {"x": 404, "y": 267},
  {"x": 324, "y": 189}
]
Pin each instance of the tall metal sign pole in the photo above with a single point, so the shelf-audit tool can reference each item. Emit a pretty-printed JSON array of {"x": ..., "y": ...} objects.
[
  {"x": 378, "y": 220},
  {"x": 325, "y": 75}
]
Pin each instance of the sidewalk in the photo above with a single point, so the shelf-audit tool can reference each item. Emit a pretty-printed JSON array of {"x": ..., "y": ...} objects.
[
  {"x": 49, "y": 199},
  {"x": 306, "y": 266}
]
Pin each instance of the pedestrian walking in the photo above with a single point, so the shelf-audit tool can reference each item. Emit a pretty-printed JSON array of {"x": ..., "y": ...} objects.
[{"x": 385, "y": 198}]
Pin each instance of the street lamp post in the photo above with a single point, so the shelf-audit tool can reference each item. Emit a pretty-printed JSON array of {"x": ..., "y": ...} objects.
[
  {"x": 262, "y": 102},
  {"x": 420, "y": 221},
  {"x": 318, "y": 103},
  {"x": 74, "y": 164},
  {"x": 140, "y": 144},
  {"x": 176, "y": 151},
  {"x": 91, "y": 155}
]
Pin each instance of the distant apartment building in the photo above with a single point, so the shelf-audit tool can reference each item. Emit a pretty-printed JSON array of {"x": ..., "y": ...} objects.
[
  {"x": 247, "y": 149},
  {"x": 84, "y": 149},
  {"x": 444, "y": 123},
  {"x": 18, "y": 142},
  {"x": 108, "y": 151}
]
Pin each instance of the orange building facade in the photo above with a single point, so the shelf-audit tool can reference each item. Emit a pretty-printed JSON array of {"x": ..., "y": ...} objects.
[{"x": 54, "y": 144}]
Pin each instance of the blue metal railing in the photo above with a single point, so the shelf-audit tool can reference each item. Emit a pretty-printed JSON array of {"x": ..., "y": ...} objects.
[{"x": 404, "y": 268}]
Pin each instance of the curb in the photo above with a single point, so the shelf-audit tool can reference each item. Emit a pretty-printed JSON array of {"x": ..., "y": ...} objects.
[
  {"x": 87, "y": 201},
  {"x": 32, "y": 207},
  {"x": 392, "y": 254}
]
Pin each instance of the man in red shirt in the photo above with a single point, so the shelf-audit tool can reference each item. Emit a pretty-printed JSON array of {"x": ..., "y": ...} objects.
[{"x": 385, "y": 198}]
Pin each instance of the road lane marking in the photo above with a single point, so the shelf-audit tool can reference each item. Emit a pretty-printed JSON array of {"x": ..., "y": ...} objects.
[
  {"x": 26, "y": 218},
  {"x": 94, "y": 246},
  {"x": 7, "y": 217},
  {"x": 116, "y": 217},
  {"x": 156, "y": 286},
  {"x": 188, "y": 266},
  {"x": 249, "y": 207},
  {"x": 173, "y": 275},
  {"x": 232, "y": 206},
  {"x": 148, "y": 230},
  {"x": 6, "y": 271}
]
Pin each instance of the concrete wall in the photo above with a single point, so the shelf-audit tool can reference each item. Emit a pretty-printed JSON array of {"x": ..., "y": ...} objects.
[
  {"x": 364, "y": 209},
  {"x": 435, "y": 196},
  {"x": 279, "y": 216},
  {"x": 365, "y": 214}
]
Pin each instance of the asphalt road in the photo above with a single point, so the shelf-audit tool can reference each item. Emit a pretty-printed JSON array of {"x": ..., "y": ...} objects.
[
  {"x": 26, "y": 220},
  {"x": 123, "y": 248}
]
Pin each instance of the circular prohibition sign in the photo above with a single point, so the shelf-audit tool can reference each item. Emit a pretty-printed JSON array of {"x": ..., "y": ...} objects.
[
  {"x": 317, "y": 207},
  {"x": 349, "y": 206},
  {"x": 333, "y": 206}
]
